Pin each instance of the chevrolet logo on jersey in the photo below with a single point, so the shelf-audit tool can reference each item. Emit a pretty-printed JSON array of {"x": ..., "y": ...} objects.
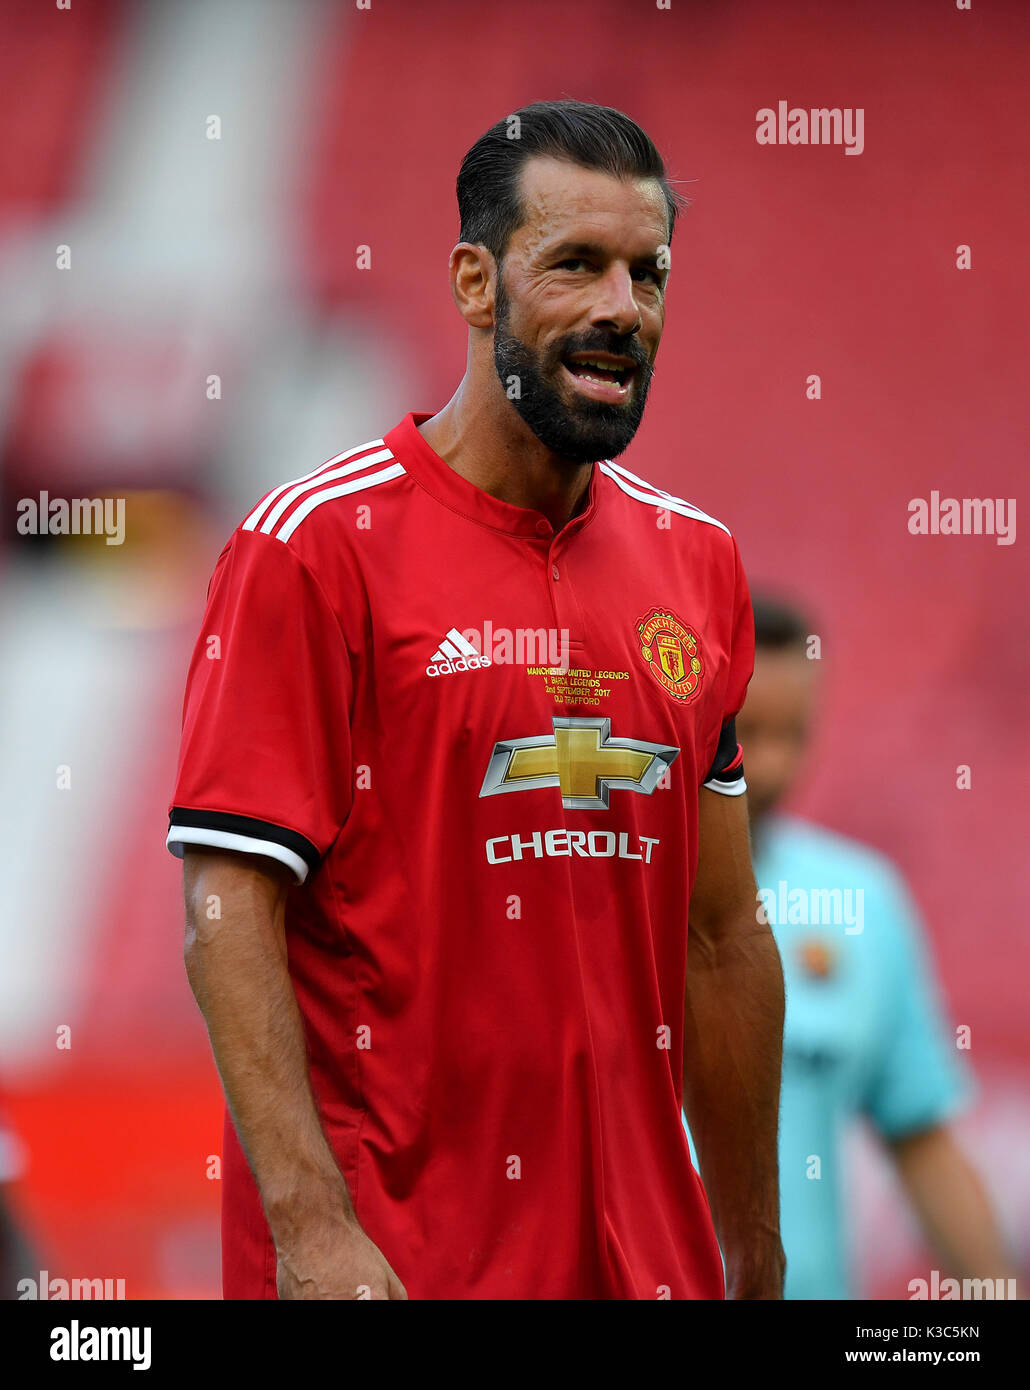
[{"x": 581, "y": 758}]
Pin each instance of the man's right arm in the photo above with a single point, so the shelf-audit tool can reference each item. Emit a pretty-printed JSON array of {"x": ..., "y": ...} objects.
[{"x": 237, "y": 967}]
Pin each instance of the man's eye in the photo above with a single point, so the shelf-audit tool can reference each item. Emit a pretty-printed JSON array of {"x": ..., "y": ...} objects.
[
  {"x": 644, "y": 272},
  {"x": 576, "y": 263}
]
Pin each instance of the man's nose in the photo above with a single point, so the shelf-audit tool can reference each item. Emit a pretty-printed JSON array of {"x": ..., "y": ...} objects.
[{"x": 616, "y": 306}]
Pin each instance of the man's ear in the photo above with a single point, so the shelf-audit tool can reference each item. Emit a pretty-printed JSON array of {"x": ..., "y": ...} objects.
[{"x": 473, "y": 278}]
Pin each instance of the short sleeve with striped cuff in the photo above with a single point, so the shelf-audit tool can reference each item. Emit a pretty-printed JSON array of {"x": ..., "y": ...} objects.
[
  {"x": 726, "y": 774},
  {"x": 265, "y": 761}
]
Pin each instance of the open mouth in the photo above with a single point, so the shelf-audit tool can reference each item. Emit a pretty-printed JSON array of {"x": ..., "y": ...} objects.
[{"x": 601, "y": 375}]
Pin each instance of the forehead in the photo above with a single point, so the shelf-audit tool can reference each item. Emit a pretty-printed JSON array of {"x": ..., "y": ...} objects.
[
  {"x": 561, "y": 201},
  {"x": 780, "y": 676}
]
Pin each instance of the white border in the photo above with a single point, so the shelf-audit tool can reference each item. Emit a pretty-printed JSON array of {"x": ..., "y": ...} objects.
[
  {"x": 737, "y": 788},
  {"x": 181, "y": 835}
]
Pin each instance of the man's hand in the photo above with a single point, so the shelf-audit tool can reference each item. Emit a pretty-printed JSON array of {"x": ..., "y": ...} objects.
[
  {"x": 334, "y": 1260},
  {"x": 760, "y": 1274}
]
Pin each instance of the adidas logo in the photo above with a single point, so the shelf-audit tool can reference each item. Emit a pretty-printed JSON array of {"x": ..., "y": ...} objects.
[{"x": 455, "y": 653}]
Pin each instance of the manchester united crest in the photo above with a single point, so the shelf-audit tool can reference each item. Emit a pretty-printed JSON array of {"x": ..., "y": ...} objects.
[{"x": 672, "y": 652}]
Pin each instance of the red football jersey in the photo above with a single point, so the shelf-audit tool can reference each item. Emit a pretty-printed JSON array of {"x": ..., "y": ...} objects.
[{"x": 478, "y": 743}]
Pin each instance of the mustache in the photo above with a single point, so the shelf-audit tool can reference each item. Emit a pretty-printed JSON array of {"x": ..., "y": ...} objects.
[{"x": 619, "y": 345}]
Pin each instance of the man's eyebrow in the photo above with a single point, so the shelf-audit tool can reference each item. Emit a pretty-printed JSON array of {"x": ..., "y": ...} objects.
[
  {"x": 579, "y": 248},
  {"x": 566, "y": 249}
]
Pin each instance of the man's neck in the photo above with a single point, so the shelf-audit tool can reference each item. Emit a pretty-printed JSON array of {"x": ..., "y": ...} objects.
[{"x": 486, "y": 441}]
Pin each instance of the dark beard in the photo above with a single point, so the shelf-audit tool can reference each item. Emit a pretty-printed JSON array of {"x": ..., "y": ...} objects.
[{"x": 584, "y": 431}]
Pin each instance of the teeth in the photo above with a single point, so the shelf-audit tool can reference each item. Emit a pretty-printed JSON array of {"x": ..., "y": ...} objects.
[
  {"x": 610, "y": 380},
  {"x": 601, "y": 381}
]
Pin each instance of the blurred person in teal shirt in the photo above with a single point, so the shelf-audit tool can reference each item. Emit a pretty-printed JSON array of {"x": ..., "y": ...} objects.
[{"x": 865, "y": 1032}]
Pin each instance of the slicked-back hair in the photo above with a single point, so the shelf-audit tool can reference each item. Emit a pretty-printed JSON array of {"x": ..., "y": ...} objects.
[{"x": 593, "y": 137}]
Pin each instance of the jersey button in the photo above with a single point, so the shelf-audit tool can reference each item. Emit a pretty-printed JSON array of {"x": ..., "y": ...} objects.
[
  {"x": 543, "y": 528},
  {"x": 554, "y": 571}
]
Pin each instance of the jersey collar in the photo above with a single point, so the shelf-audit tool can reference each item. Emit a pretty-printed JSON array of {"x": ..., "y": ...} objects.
[{"x": 441, "y": 481}]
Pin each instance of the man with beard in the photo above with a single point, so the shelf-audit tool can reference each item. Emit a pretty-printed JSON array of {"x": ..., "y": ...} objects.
[
  {"x": 444, "y": 972},
  {"x": 865, "y": 1033}
]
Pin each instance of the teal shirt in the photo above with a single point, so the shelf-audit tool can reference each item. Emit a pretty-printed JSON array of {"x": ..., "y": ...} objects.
[{"x": 864, "y": 1032}]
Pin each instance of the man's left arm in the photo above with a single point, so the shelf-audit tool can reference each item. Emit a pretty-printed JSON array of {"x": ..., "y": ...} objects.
[
  {"x": 918, "y": 1084},
  {"x": 732, "y": 1051},
  {"x": 952, "y": 1204}
]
